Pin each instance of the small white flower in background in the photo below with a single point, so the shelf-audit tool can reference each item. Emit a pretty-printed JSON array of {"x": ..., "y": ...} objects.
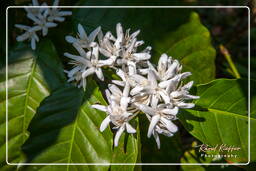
[
  {"x": 55, "y": 14},
  {"x": 158, "y": 92},
  {"x": 30, "y": 34},
  {"x": 43, "y": 18}
]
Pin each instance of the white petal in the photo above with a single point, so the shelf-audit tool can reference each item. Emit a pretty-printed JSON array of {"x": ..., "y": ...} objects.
[
  {"x": 126, "y": 90},
  {"x": 49, "y": 24},
  {"x": 121, "y": 74},
  {"x": 23, "y": 37},
  {"x": 33, "y": 44},
  {"x": 176, "y": 94},
  {"x": 105, "y": 124},
  {"x": 152, "y": 78},
  {"x": 44, "y": 31},
  {"x": 185, "y": 75},
  {"x": 135, "y": 34},
  {"x": 93, "y": 34},
  {"x": 171, "y": 70},
  {"x": 188, "y": 85},
  {"x": 73, "y": 71},
  {"x": 146, "y": 109},
  {"x": 129, "y": 128},
  {"x": 164, "y": 96},
  {"x": 23, "y": 27},
  {"x": 139, "y": 43},
  {"x": 172, "y": 83},
  {"x": 188, "y": 96},
  {"x": 100, "y": 107},
  {"x": 186, "y": 105},
  {"x": 154, "y": 101},
  {"x": 156, "y": 136},
  {"x": 80, "y": 49},
  {"x": 59, "y": 19},
  {"x": 77, "y": 58},
  {"x": 88, "y": 72},
  {"x": 107, "y": 62},
  {"x": 139, "y": 79},
  {"x": 136, "y": 90},
  {"x": 70, "y": 39},
  {"x": 32, "y": 17},
  {"x": 81, "y": 32},
  {"x": 108, "y": 96},
  {"x": 131, "y": 67},
  {"x": 95, "y": 52},
  {"x": 120, "y": 35},
  {"x": 173, "y": 111},
  {"x": 118, "y": 135},
  {"x": 99, "y": 74},
  {"x": 35, "y": 28},
  {"x": 169, "y": 125},
  {"x": 162, "y": 63},
  {"x": 153, "y": 122},
  {"x": 114, "y": 89},
  {"x": 105, "y": 52},
  {"x": 141, "y": 56}
]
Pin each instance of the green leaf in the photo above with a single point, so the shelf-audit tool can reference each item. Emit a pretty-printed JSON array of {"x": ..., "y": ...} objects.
[
  {"x": 66, "y": 132},
  {"x": 221, "y": 116},
  {"x": 30, "y": 78},
  {"x": 191, "y": 45}
]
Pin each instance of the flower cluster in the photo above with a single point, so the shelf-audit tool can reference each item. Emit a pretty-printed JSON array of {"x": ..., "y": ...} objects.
[
  {"x": 43, "y": 18},
  {"x": 156, "y": 91}
]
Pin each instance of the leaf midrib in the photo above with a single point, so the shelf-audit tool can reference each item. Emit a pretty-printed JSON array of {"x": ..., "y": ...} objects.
[
  {"x": 229, "y": 113},
  {"x": 27, "y": 97}
]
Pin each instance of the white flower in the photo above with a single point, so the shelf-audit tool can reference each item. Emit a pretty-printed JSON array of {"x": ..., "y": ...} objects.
[
  {"x": 126, "y": 79},
  {"x": 149, "y": 86},
  {"x": 36, "y": 11},
  {"x": 55, "y": 14},
  {"x": 82, "y": 39},
  {"x": 30, "y": 34},
  {"x": 160, "y": 120},
  {"x": 41, "y": 21},
  {"x": 123, "y": 47},
  {"x": 117, "y": 112},
  {"x": 181, "y": 94},
  {"x": 86, "y": 64},
  {"x": 167, "y": 68}
]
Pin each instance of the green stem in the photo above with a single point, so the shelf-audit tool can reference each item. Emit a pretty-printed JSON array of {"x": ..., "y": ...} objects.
[{"x": 226, "y": 54}]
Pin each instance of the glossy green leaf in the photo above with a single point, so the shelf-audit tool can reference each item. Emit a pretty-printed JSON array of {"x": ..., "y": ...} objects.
[
  {"x": 63, "y": 131},
  {"x": 221, "y": 116},
  {"x": 66, "y": 132},
  {"x": 191, "y": 45},
  {"x": 30, "y": 78}
]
